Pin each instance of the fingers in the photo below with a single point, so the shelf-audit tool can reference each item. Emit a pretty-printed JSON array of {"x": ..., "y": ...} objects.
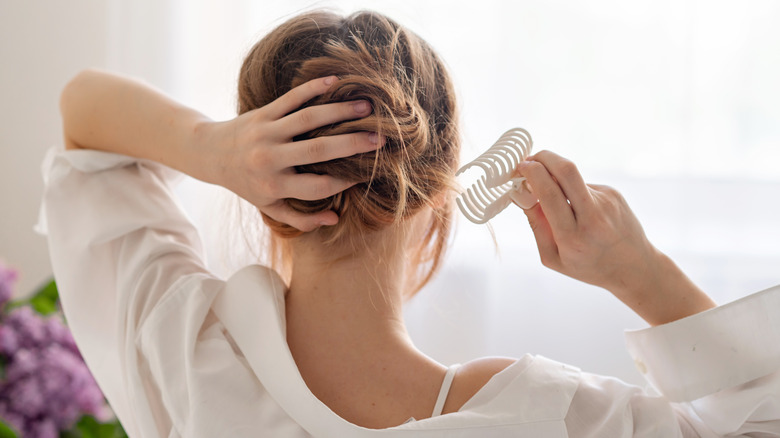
[
  {"x": 299, "y": 95},
  {"x": 545, "y": 242},
  {"x": 308, "y": 187},
  {"x": 311, "y": 187},
  {"x": 321, "y": 115},
  {"x": 551, "y": 198},
  {"x": 569, "y": 179},
  {"x": 302, "y": 221},
  {"x": 321, "y": 149},
  {"x": 304, "y": 120}
]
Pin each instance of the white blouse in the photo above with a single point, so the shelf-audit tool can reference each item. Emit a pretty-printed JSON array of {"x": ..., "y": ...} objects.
[{"x": 181, "y": 353}]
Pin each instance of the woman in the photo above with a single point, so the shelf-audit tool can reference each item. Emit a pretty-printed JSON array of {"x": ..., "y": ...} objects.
[{"x": 346, "y": 142}]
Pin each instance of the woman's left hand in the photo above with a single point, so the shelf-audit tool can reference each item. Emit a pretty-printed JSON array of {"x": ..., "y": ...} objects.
[{"x": 254, "y": 155}]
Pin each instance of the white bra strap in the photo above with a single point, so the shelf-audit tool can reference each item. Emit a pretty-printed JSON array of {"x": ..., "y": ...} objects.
[{"x": 445, "y": 390}]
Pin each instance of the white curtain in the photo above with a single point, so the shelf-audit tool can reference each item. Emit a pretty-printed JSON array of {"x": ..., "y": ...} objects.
[{"x": 674, "y": 102}]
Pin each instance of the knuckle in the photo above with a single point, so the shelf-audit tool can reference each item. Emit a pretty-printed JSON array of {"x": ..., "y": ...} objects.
[
  {"x": 535, "y": 165},
  {"x": 606, "y": 194},
  {"x": 534, "y": 169},
  {"x": 611, "y": 191},
  {"x": 356, "y": 141},
  {"x": 257, "y": 116},
  {"x": 258, "y": 157},
  {"x": 321, "y": 189},
  {"x": 615, "y": 197},
  {"x": 606, "y": 189},
  {"x": 315, "y": 150},
  {"x": 567, "y": 169},
  {"x": 543, "y": 154},
  {"x": 305, "y": 117}
]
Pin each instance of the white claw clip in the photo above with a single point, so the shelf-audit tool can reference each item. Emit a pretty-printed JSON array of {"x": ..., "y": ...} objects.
[{"x": 494, "y": 190}]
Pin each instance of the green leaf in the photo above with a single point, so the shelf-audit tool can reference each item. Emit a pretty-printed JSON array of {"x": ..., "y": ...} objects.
[
  {"x": 45, "y": 299},
  {"x": 72, "y": 433},
  {"x": 6, "y": 431},
  {"x": 89, "y": 427}
]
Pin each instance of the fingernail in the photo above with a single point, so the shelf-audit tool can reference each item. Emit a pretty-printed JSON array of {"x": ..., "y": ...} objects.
[
  {"x": 329, "y": 80},
  {"x": 361, "y": 107},
  {"x": 373, "y": 138}
]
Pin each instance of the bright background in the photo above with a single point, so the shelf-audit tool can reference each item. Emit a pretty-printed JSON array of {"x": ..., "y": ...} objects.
[{"x": 674, "y": 102}]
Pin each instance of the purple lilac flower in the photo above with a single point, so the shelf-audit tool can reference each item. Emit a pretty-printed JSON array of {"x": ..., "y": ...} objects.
[
  {"x": 46, "y": 386},
  {"x": 44, "y": 428},
  {"x": 9, "y": 341},
  {"x": 53, "y": 377},
  {"x": 29, "y": 327},
  {"x": 27, "y": 397},
  {"x": 66, "y": 412},
  {"x": 23, "y": 363},
  {"x": 58, "y": 333},
  {"x": 8, "y": 277}
]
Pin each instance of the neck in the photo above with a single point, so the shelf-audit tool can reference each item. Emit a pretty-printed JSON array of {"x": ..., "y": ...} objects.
[
  {"x": 356, "y": 300},
  {"x": 346, "y": 332}
]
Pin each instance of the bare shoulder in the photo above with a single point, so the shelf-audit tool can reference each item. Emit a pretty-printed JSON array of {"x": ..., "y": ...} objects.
[{"x": 471, "y": 377}]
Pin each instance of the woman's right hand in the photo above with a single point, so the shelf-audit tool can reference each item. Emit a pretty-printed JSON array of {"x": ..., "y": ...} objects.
[
  {"x": 254, "y": 155},
  {"x": 589, "y": 233}
]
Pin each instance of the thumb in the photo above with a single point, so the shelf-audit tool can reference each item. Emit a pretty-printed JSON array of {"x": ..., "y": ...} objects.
[{"x": 545, "y": 242}]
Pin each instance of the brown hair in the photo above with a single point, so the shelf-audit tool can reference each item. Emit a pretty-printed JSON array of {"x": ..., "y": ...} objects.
[{"x": 414, "y": 109}]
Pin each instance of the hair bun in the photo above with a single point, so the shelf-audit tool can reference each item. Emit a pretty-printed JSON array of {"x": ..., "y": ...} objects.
[{"x": 413, "y": 110}]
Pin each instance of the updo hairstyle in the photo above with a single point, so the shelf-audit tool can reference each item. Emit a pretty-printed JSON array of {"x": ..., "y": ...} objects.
[{"x": 414, "y": 109}]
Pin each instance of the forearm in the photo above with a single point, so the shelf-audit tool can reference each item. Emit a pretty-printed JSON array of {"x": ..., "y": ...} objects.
[
  {"x": 664, "y": 294},
  {"x": 114, "y": 114}
]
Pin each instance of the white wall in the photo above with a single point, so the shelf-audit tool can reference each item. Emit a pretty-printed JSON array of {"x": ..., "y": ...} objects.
[{"x": 42, "y": 44}]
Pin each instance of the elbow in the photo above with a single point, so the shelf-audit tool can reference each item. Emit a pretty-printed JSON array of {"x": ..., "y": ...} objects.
[
  {"x": 75, "y": 87},
  {"x": 72, "y": 104}
]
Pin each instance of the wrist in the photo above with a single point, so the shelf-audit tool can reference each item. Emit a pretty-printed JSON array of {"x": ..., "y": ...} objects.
[
  {"x": 198, "y": 151},
  {"x": 662, "y": 293}
]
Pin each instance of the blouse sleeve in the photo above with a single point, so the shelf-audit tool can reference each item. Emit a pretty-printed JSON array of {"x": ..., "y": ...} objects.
[
  {"x": 714, "y": 374},
  {"x": 118, "y": 242}
]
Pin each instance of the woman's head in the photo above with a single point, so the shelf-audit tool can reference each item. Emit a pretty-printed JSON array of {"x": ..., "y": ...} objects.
[{"x": 413, "y": 109}]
